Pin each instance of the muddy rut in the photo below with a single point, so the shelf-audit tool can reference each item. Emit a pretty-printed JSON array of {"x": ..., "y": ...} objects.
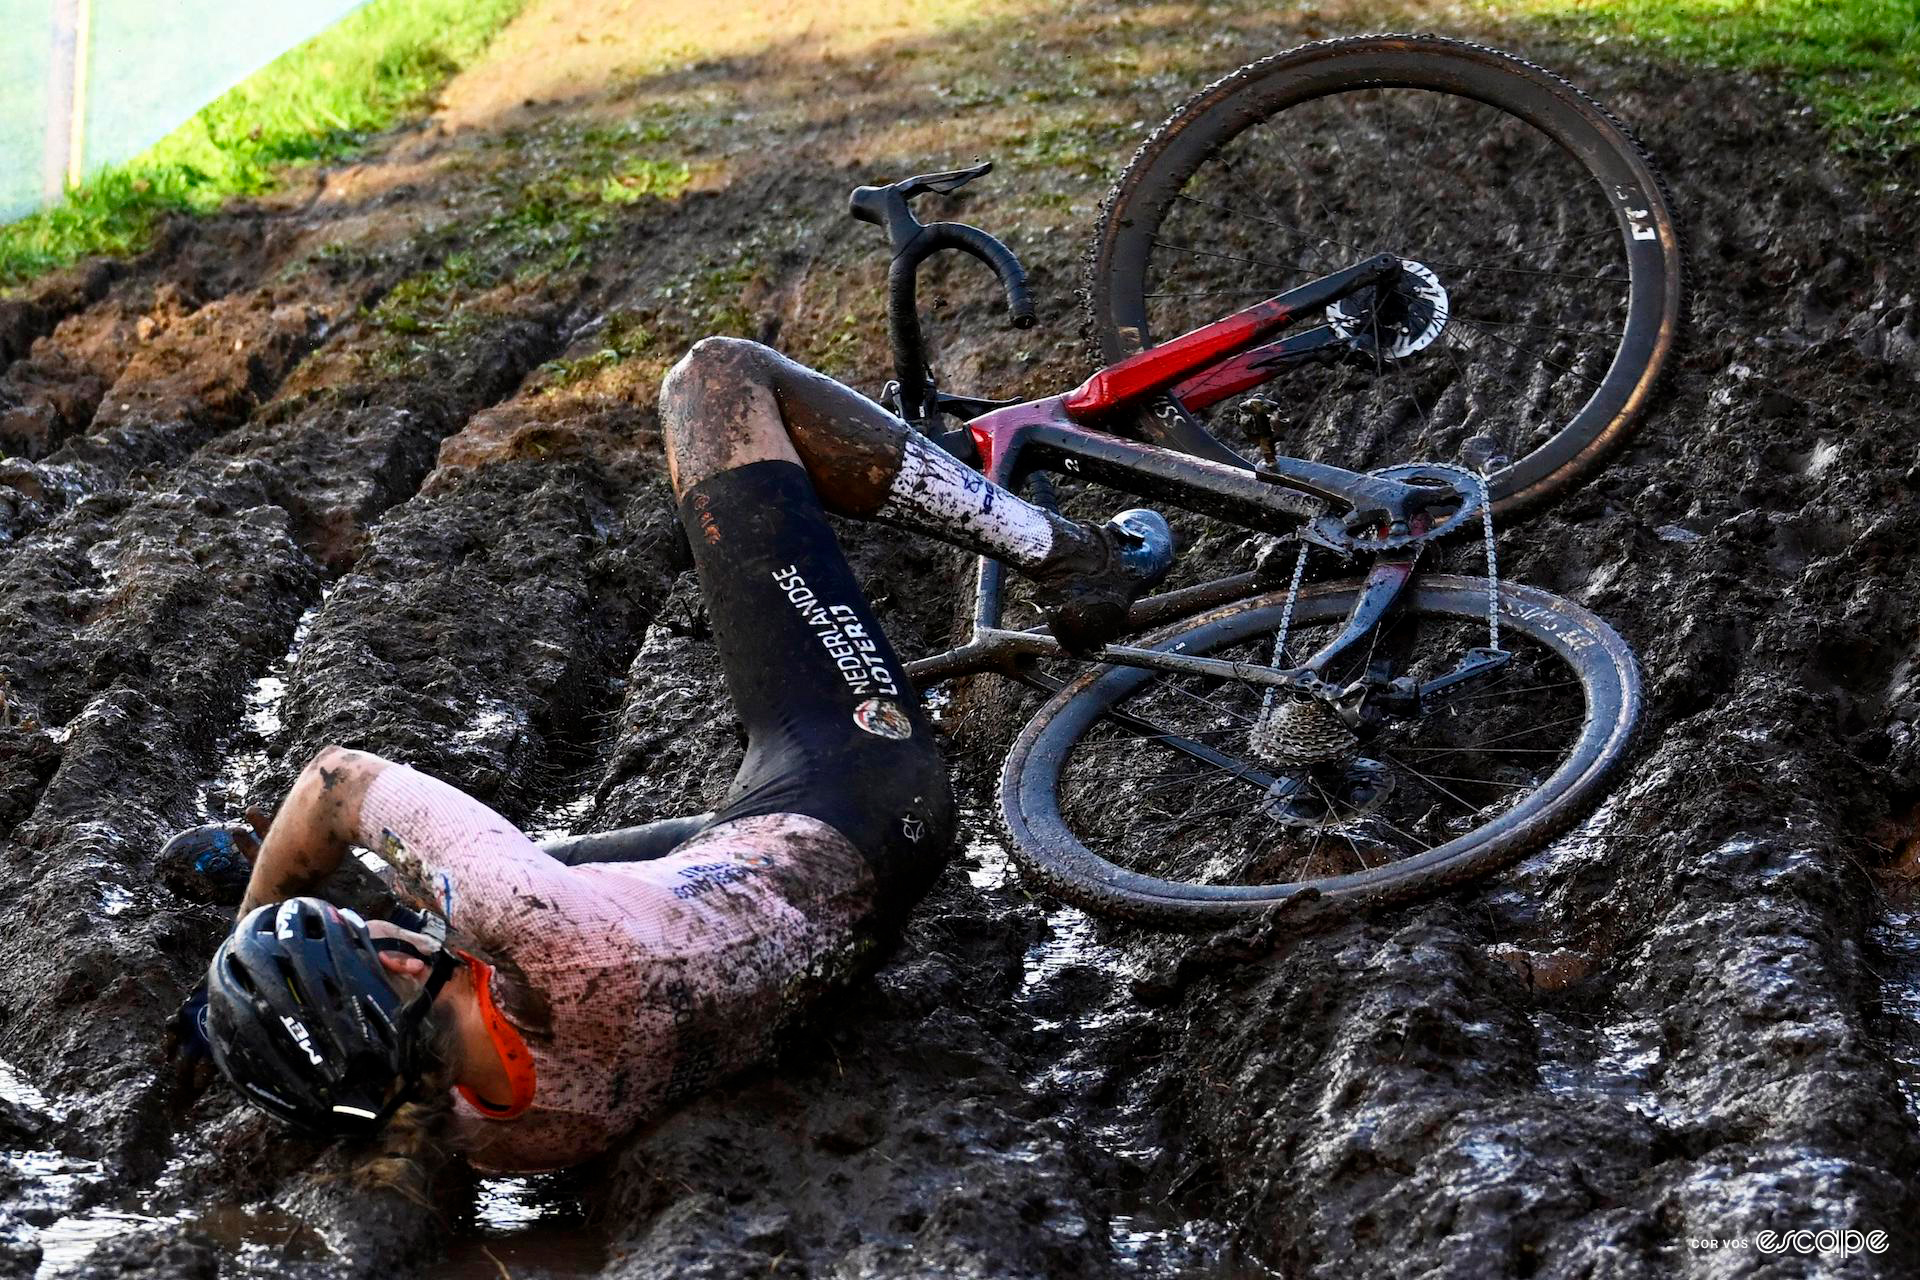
[{"x": 375, "y": 462}]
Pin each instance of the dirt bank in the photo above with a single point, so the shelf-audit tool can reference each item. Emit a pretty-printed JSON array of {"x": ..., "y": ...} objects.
[{"x": 376, "y": 462}]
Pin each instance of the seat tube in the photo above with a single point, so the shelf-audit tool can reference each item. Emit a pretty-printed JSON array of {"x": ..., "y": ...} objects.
[
  {"x": 999, "y": 443},
  {"x": 989, "y": 593}
]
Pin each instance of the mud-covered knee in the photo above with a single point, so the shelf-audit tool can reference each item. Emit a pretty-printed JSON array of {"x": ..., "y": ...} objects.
[
  {"x": 731, "y": 360},
  {"x": 715, "y": 404}
]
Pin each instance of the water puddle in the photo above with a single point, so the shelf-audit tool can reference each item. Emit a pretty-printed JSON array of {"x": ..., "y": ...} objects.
[
  {"x": 1895, "y": 940},
  {"x": 115, "y": 899},
  {"x": 252, "y": 1239},
  {"x": 40, "y": 1184},
  {"x": 982, "y": 854},
  {"x": 66, "y": 1243},
  {"x": 260, "y": 1235},
  {"x": 243, "y": 753},
  {"x": 1149, "y": 1245},
  {"x": 564, "y": 817},
  {"x": 523, "y": 1227},
  {"x": 487, "y": 724},
  {"x": 529, "y": 1226},
  {"x": 1075, "y": 986},
  {"x": 17, "y": 1089},
  {"x": 47, "y": 1182},
  {"x": 43, "y": 1186},
  {"x": 1620, "y": 1062},
  {"x": 1071, "y": 940}
]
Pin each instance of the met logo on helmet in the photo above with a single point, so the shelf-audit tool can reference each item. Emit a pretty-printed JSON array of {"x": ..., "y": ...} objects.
[{"x": 301, "y": 1038}]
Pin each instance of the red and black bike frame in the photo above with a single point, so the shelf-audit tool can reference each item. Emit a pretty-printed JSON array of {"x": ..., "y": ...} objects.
[{"x": 1074, "y": 434}]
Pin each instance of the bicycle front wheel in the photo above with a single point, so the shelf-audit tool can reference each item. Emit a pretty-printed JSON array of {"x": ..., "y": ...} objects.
[
  {"x": 1155, "y": 797},
  {"x": 1542, "y": 291}
]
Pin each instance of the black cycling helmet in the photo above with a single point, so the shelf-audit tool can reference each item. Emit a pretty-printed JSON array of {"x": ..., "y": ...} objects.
[{"x": 305, "y": 1023}]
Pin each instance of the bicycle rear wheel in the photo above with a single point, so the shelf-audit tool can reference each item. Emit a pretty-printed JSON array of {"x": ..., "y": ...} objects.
[
  {"x": 1544, "y": 291},
  {"x": 1110, "y": 807}
]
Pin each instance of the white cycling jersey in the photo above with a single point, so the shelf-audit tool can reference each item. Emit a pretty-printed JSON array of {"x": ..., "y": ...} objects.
[{"x": 619, "y": 989}]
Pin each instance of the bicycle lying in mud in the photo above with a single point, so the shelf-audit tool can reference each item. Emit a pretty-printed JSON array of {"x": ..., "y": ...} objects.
[{"x": 1477, "y": 263}]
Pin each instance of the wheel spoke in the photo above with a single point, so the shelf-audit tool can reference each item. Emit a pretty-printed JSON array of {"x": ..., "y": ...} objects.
[
  {"x": 1543, "y": 328},
  {"x": 1527, "y": 352},
  {"x": 1468, "y": 268},
  {"x": 1491, "y": 692},
  {"x": 1275, "y": 222},
  {"x": 1405, "y": 835},
  {"x": 1551, "y": 244},
  {"x": 1426, "y": 150},
  {"x": 1454, "y": 796},
  {"x": 1236, "y": 257}
]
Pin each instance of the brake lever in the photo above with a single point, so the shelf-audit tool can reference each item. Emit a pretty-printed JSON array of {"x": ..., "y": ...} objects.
[
  {"x": 887, "y": 206},
  {"x": 951, "y": 180}
]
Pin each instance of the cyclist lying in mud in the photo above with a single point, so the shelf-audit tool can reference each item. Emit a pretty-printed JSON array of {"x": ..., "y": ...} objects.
[{"x": 589, "y": 984}]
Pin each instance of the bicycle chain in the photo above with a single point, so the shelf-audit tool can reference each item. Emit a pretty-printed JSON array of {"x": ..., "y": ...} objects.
[
  {"x": 1286, "y": 625},
  {"x": 1493, "y": 565},
  {"x": 1269, "y": 732}
]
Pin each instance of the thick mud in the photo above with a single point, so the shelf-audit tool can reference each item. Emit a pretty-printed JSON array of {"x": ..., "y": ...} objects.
[{"x": 375, "y": 462}]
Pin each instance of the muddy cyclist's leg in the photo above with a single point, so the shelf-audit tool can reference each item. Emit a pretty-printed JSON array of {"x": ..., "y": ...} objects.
[
  {"x": 730, "y": 401},
  {"x": 834, "y": 731},
  {"x": 643, "y": 843}
]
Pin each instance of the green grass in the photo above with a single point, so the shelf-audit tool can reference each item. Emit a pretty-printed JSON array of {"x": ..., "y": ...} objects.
[
  {"x": 317, "y": 102},
  {"x": 539, "y": 226},
  {"x": 643, "y": 178},
  {"x": 626, "y": 335},
  {"x": 1857, "y": 61}
]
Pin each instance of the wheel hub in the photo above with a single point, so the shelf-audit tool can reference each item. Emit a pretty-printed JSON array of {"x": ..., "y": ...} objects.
[
  {"x": 1398, "y": 320},
  {"x": 1328, "y": 797}
]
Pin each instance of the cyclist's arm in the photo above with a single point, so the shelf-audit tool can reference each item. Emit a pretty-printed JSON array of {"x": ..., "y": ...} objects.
[
  {"x": 457, "y": 857},
  {"x": 314, "y": 827}
]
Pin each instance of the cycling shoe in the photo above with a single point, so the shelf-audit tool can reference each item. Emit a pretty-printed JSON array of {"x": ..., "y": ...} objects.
[
  {"x": 1086, "y": 605},
  {"x": 217, "y": 854}
]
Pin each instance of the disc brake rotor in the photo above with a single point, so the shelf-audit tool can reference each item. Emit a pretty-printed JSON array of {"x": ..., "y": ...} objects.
[{"x": 1405, "y": 320}]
